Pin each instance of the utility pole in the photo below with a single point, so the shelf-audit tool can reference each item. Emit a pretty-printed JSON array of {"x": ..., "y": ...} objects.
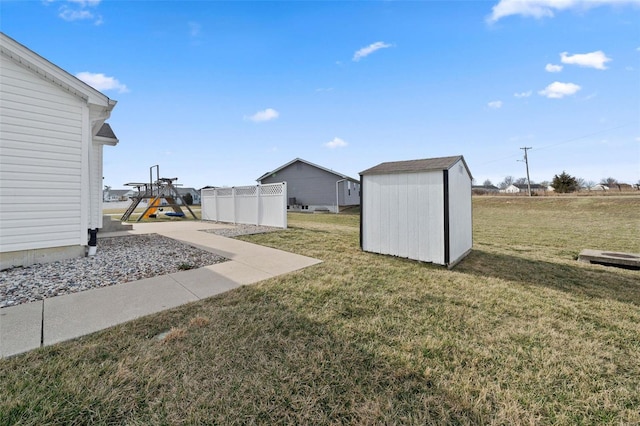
[{"x": 526, "y": 161}]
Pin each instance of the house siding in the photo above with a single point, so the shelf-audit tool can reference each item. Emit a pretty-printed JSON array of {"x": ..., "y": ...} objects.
[
  {"x": 95, "y": 217},
  {"x": 309, "y": 185},
  {"x": 41, "y": 131}
]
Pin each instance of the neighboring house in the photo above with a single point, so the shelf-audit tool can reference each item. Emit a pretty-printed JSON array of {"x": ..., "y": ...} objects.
[
  {"x": 599, "y": 187},
  {"x": 314, "y": 188},
  {"x": 52, "y": 130},
  {"x": 117, "y": 194},
  {"x": 484, "y": 189},
  {"x": 622, "y": 187},
  {"x": 195, "y": 194},
  {"x": 418, "y": 209},
  {"x": 516, "y": 188}
]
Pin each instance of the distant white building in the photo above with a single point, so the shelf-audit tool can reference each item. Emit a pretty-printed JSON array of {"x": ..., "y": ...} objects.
[
  {"x": 110, "y": 195},
  {"x": 516, "y": 188},
  {"x": 52, "y": 130}
]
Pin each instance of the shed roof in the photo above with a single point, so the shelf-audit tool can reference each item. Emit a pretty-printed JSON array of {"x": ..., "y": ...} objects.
[
  {"x": 413, "y": 166},
  {"x": 264, "y": 176}
]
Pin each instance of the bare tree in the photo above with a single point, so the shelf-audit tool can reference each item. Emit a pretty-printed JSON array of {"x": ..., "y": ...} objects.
[
  {"x": 521, "y": 181},
  {"x": 609, "y": 181},
  {"x": 487, "y": 183},
  {"x": 508, "y": 180}
]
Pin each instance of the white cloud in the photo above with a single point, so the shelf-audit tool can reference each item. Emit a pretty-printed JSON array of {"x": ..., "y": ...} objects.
[
  {"x": 266, "y": 115},
  {"x": 74, "y": 15},
  {"x": 557, "y": 90},
  {"x": 546, "y": 8},
  {"x": 495, "y": 104},
  {"x": 523, "y": 94},
  {"x": 595, "y": 59},
  {"x": 366, "y": 51},
  {"x": 336, "y": 143},
  {"x": 101, "y": 82},
  {"x": 85, "y": 3},
  {"x": 553, "y": 68},
  {"x": 78, "y": 10}
]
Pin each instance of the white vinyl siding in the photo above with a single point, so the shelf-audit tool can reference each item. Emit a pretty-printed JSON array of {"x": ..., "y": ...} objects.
[
  {"x": 419, "y": 209},
  {"x": 460, "y": 211},
  {"x": 403, "y": 215},
  {"x": 41, "y": 153},
  {"x": 95, "y": 217}
]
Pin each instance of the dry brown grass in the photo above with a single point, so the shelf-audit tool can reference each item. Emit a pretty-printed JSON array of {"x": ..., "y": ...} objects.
[
  {"x": 518, "y": 333},
  {"x": 198, "y": 322}
]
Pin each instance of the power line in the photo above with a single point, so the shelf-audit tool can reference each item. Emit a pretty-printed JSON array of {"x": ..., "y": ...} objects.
[
  {"x": 562, "y": 142},
  {"x": 586, "y": 136}
]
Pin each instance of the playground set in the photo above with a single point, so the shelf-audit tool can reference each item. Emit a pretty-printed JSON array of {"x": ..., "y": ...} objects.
[{"x": 160, "y": 194}]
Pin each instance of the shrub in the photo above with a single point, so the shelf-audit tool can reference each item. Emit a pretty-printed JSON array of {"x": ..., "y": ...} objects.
[{"x": 564, "y": 183}]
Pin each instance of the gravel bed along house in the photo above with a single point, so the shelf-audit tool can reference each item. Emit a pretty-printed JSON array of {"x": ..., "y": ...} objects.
[{"x": 119, "y": 260}]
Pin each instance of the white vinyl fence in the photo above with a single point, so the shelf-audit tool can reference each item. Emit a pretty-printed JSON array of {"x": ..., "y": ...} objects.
[{"x": 254, "y": 205}]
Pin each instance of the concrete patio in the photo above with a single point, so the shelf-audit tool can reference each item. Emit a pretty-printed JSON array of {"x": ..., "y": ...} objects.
[{"x": 32, "y": 325}]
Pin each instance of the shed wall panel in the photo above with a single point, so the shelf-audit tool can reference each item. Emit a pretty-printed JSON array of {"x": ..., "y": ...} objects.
[
  {"x": 371, "y": 214},
  {"x": 460, "y": 214},
  {"x": 403, "y": 215},
  {"x": 40, "y": 137},
  {"x": 431, "y": 218},
  {"x": 402, "y": 248}
]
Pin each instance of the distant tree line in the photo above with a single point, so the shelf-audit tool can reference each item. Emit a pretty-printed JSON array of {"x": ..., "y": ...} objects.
[{"x": 562, "y": 183}]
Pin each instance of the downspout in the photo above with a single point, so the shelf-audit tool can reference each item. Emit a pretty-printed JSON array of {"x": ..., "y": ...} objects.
[
  {"x": 93, "y": 241},
  {"x": 97, "y": 117},
  {"x": 338, "y": 195}
]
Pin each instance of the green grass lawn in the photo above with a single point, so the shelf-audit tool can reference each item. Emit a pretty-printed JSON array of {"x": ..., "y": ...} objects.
[{"x": 518, "y": 333}]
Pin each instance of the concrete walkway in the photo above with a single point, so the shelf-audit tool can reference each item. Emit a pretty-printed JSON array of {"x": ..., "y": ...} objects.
[{"x": 32, "y": 325}]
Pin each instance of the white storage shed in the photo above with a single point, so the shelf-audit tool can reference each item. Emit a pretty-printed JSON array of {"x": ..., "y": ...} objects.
[{"x": 418, "y": 209}]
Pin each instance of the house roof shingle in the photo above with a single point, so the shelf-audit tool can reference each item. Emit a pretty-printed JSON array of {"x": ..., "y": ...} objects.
[
  {"x": 412, "y": 166},
  {"x": 264, "y": 176}
]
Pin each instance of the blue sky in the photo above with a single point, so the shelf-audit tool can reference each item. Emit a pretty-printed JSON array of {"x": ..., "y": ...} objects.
[{"x": 218, "y": 93}]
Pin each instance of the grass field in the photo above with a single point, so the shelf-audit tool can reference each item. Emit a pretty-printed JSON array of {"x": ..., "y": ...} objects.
[{"x": 518, "y": 333}]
